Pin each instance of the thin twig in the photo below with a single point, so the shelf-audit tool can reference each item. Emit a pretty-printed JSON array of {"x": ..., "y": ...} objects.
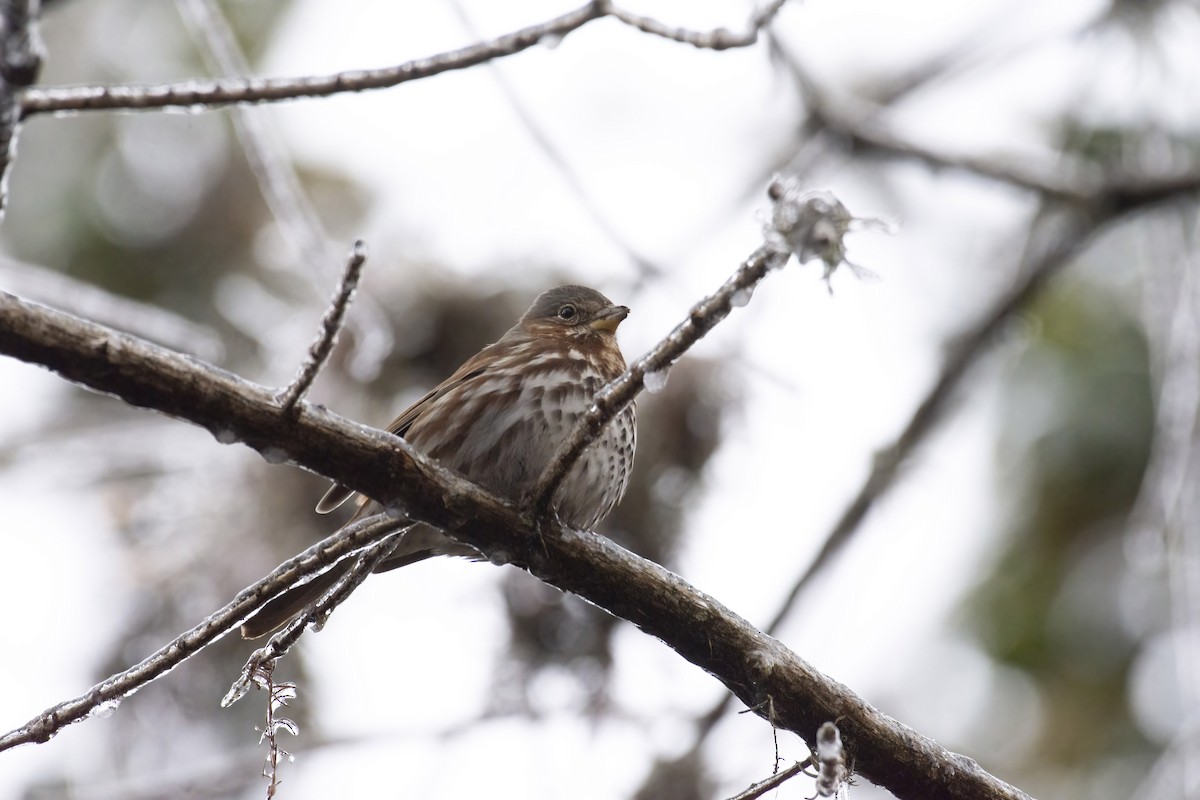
[
  {"x": 278, "y": 694},
  {"x": 809, "y": 225},
  {"x": 210, "y": 94},
  {"x": 281, "y": 642},
  {"x": 297, "y": 219},
  {"x": 558, "y": 160},
  {"x": 762, "y": 787},
  {"x": 609, "y": 402},
  {"x": 864, "y": 133},
  {"x": 268, "y": 163},
  {"x": 886, "y": 464},
  {"x": 853, "y": 123},
  {"x": 962, "y": 354},
  {"x": 717, "y": 39},
  {"x": 331, "y": 323},
  {"x": 115, "y": 688}
]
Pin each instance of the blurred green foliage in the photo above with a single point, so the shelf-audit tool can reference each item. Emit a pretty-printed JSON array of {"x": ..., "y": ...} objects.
[{"x": 1077, "y": 420}]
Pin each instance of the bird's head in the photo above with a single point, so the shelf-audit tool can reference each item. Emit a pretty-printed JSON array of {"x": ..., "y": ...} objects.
[{"x": 573, "y": 311}]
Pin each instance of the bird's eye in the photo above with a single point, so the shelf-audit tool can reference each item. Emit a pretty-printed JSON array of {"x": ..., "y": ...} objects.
[{"x": 566, "y": 312}]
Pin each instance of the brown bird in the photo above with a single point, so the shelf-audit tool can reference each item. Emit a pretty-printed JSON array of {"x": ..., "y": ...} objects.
[{"x": 498, "y": 420}]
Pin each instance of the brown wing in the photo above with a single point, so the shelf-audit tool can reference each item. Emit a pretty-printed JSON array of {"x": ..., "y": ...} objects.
[{"x": 472, "y": 368}]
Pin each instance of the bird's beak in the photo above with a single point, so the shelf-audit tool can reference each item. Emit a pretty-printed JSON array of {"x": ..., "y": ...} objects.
[{"x": 609, "y": 319}]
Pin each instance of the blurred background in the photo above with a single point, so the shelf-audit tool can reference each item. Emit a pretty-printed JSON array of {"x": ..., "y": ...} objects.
[{"x": 1027, "y": 592}]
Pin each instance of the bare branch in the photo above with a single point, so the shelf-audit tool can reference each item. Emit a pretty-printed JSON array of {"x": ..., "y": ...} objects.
[
  {"x": 265, "y": 155},
  {"x": 750, "y": 664},
  {"x": 278, "y": 693},
  {"x": 718, "y": 39},
  {"x": 227, "y": 91},
  {"x": 297, "y": 219},
  {"x": 851, "y": 123},
  {"x": 281, "y": 643},
  {"x": 211, "y": 94},
  {"x": 808, "y": 225},
  {"x": 862, "y": 132},
  {"x": 887, "y": 462},
  {"x": 112, "y": 690},
  {"x": 1110, "y": 207},
  {"x": 757, "y": 790},
  {"x": 88, "y": 300},
  {"x": 331, "y": 323},
  {"x": 615, "y": 396},
  {"x": 962, "y": 354},
  {"x": 558, "y": 160}
]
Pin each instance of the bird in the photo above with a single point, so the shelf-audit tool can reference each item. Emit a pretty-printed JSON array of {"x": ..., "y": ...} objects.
[{"x": 498, "y": 420}]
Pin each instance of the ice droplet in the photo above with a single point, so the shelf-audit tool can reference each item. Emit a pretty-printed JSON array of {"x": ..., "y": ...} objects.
[
  {"x": 105, "y": 709},
  {"x": 829, "y": 742},
  {"x": 395, "y": 510},
  {"x": 236, "y": 692},
  {"x": 225, "y": 435},
  {"x": 655, "y": 381},
  {"x": 285, "y": 725},
  {"x": 274, "y": 455},
  {"x": 550, "y": 40},
  {"x": 741, "y": 298}
]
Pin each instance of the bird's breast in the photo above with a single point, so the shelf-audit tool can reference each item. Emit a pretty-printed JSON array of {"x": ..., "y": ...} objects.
[{"x": 502, "y": 428}]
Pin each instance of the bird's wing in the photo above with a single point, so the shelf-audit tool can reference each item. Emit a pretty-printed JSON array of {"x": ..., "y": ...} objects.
[{"x": 470, "y": 369}]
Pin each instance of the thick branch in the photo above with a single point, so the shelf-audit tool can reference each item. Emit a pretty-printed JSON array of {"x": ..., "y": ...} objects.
[{"x": 752, "y": 665}]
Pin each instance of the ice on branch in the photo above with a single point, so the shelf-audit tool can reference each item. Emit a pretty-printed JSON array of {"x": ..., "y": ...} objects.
[
  {"x": 812, "y": 224},
  {"x": 832, "y": 775},
  {"x": 655, "y": 381}
]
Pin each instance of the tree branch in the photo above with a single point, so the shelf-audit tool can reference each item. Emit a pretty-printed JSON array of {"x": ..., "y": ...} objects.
[
  {"x": 615, "y": 396},
  {"x": 756, "y": 790},
  {"x": 263, "y": 659},
  {"x": 1041, "y": 264},
  {"x": 718, "y": 39},
  {"x": 227, "y": 91},
  {"x": 111, "y": 691},
  {"x": 265, "y": 155},
  {"x": 331, "y": 323},
  {"x": 752, "y": 665},
  {"x": 1108, "y": 209}
]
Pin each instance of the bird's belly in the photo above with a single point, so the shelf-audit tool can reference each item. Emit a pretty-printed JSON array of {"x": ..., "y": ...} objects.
[{"x": 513, "y": 436}]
